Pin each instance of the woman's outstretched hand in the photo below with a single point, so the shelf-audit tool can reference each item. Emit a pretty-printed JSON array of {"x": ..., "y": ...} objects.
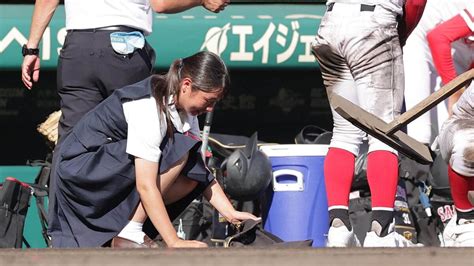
[
  {"x": 236, "y": 217},
  {"x": 180, "y": 243}
]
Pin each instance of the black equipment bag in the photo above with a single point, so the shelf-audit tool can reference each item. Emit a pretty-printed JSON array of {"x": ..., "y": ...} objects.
[
  {"x": 250, "y": 233},
  {"x": 420, "y": 184},
  {"x": 39, "y": 189},
  {"x": 411, "y": 219},
  {"x": 195, "y": 222},
  {"x": 14, "y": 203}
]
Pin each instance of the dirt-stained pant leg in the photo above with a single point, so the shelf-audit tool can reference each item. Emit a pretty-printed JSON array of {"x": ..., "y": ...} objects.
[
  {"x": 361, "y": 60},
  {"x": 338, "y": 79}
]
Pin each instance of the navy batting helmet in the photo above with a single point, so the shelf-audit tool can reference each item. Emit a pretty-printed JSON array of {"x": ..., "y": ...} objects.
[{"x": 248, "y": 172}]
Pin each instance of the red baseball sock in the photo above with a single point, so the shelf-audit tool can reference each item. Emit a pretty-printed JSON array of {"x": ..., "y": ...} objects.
[
  {"x": 460, "y": 185},
  {"x": 382, "y": 175},
  {"x": 338, "y": 175}
]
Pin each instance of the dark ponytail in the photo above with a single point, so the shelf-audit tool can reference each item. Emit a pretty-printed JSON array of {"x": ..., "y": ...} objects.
[{"x": 164, "y": 87}]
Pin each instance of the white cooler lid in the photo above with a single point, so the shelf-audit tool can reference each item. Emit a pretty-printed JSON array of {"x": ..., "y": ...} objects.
[{"x": 294, "y": 150}]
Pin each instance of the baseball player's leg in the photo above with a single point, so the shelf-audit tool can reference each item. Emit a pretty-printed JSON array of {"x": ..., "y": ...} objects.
[
  {"x": 340, "y": 159},
  {"x": 382, "y": 169},
  {"x": 339, "y": 169},
  {"x": 378, "y": 70},
  {"x": 419, "y": 84},
  {"x": 456, "y": 144},
  {"x": 427, "y": 127},
  {"x": 439, "y": 114}
]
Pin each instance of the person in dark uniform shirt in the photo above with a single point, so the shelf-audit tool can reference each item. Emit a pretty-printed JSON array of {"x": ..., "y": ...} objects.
[{"x": 136, "y": 153}]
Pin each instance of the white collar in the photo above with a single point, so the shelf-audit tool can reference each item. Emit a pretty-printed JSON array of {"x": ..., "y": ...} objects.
[{"x": 180, "y": 120}]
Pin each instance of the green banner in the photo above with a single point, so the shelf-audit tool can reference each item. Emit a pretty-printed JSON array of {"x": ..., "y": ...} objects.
[{"x": 244, "y": 35}]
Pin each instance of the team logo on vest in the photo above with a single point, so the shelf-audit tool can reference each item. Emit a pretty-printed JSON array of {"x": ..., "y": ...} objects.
[{"x": 446, "y": 212}]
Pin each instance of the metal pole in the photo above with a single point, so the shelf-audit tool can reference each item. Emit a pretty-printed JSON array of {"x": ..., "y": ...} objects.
[{"x": 205, "y": 133}]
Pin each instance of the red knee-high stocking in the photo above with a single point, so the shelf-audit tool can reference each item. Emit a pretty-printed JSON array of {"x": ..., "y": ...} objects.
[
  {"x": 382, "y": 175},
  {"x": 460, "y": 185},
  {"x": 338, "y": 175}
]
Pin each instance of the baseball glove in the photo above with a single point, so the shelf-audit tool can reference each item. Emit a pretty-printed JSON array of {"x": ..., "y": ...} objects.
[{"x": 49, "y": 128}]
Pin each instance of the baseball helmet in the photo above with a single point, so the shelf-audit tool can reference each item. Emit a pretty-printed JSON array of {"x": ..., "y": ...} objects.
[{"x": 247, "y": 172}]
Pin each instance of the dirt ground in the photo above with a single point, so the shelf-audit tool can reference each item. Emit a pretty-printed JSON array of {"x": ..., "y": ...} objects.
[{"x": 241, "y": 256}]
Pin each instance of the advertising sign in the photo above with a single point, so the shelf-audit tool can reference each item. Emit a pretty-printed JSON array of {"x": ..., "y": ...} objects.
[{"x": 244, "y": 35}]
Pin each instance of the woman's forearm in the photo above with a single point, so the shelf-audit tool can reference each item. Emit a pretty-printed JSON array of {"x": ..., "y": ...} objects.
[
  {"x": 152, "y": 200},
  {"x": 216, "y": 196},
  {"x": 155, "y": 208}
]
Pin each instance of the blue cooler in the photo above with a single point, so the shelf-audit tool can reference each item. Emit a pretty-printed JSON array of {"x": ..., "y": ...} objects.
[{"x": 295, "y": 205}]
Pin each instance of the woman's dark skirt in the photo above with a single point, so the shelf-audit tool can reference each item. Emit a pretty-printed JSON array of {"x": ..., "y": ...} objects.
[{"x": 95, "y": 192}]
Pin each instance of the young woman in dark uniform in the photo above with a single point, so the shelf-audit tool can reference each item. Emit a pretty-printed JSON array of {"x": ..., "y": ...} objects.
[{"x": 135, "y": 154}]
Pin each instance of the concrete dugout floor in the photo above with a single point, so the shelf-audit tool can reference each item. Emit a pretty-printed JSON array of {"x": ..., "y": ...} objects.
[{"x": 241, "y": 256}]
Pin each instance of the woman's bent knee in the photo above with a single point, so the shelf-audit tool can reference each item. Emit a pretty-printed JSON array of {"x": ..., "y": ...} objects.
[{"x": 179, "y": 189}]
